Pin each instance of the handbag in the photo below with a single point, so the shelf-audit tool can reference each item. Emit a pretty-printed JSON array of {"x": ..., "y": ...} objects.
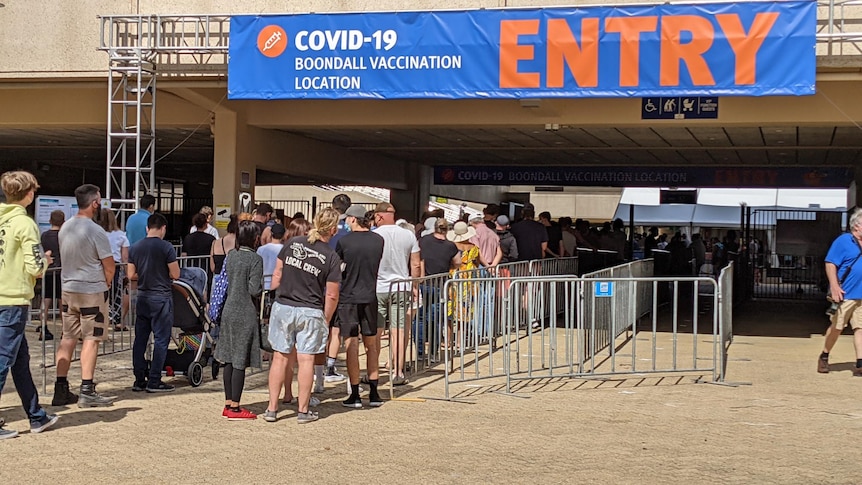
[
  {"x": 263, "y": 328},
  {"x": 219, "y": 293}
]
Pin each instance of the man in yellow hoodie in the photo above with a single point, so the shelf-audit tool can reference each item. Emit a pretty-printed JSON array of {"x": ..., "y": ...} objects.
[{"x": 21, "y": 262}]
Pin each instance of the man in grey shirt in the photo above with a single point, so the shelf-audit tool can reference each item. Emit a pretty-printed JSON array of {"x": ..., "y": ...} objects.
[{"x": 87, "y": 275}]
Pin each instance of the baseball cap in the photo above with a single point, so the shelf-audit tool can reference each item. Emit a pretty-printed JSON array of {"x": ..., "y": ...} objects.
[
  {"x": 502, "y": 221},
  {"x": 384, "y": 207},
  {"x": 356, "y": 210}
]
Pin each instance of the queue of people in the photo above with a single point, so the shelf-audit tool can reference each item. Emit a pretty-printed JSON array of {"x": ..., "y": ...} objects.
[{"x": 342, "y": 278}]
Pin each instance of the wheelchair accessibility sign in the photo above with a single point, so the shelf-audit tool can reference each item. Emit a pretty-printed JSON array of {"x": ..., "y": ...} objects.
[
  {"x": 691, "y": 107},
  {"x": 604, "y": 289}
]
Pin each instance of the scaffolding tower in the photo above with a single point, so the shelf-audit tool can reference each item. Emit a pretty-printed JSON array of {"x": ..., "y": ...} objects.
[{"x": 140, "y": 50}]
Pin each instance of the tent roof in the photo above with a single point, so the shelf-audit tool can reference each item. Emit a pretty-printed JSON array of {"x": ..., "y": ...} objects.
[{"x": 708, "y": 215}]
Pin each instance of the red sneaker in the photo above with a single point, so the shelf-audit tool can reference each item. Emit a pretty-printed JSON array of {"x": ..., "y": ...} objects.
[
  {"x": 224, "y": 413},
  {"x": 241, "y": 415}
]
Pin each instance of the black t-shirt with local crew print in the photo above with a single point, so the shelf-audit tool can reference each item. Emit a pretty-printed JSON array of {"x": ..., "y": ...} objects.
[
  {"x": 306, "y": 270},
  {"x": 361, "y": 252}
]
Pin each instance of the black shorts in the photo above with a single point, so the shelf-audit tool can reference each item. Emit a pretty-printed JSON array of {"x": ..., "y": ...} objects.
[{"x": 351, "y": 318}]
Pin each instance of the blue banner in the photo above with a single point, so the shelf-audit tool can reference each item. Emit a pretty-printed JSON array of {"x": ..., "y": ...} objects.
[
  {"x": 753, "y": 177},
  {"x": 722, "y": 49}
]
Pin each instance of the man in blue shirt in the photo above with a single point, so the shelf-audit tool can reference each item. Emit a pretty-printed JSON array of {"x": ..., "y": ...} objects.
[
  {"x": 844, "y": 272},
  {"x": 136, "y": 225}
]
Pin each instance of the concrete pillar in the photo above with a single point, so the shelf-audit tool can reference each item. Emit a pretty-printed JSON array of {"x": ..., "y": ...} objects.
[
  {"x": 229, "y": 161},
  {"x": 413, "y": 201},
  {"x": 854, "y": 196}
]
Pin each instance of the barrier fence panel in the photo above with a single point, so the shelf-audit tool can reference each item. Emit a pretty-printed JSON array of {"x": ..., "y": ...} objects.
[
  {"x": 288, "y": 208},
  {"x": 471, "y": 336},
  {"x": 725, "y": 314},
  {"x": 607, "y": 308},
  {"x": 549, "y": 341},
  {"x": 48, "y": 317},
  {"x": 415, "y": 310}
]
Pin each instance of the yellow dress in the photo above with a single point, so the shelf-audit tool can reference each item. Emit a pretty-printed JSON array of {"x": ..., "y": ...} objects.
[{"x": 460, "y": 307}]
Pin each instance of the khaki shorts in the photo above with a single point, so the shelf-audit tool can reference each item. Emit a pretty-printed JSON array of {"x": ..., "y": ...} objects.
[
  {"x": 848, "y": 310},
  {"x": 393, "y": 309},
  {"x": 85, "y": 315}
]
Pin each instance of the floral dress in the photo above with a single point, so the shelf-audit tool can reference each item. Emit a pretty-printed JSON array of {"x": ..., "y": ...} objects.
[{"x": 460, "y": 307}]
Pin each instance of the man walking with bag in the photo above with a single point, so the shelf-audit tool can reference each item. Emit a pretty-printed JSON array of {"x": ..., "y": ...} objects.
[{"x": 844, "y": 272}]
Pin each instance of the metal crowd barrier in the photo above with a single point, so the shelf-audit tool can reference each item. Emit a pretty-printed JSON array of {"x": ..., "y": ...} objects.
[
  {"x": 416, "y": 307},
  {"x": 725, "y": 313},
  {"x": 576, "y": 346},
  {"x": 121, "y": 315}
]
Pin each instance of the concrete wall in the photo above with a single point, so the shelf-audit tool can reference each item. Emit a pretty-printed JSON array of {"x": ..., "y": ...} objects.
[{"x": 51, "y": 38}]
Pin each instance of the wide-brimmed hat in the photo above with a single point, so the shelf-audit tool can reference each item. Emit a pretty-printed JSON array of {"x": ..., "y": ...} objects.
[{"x": 461, "y": 232}]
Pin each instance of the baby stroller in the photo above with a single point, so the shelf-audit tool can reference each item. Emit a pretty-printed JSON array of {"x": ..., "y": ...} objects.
[{"x": 195, "y": 341}]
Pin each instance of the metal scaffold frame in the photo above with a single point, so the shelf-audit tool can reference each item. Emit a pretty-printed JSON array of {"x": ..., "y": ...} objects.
[
  {"x": 140, "y": 50},
  {"x": 143, "y": 48}
]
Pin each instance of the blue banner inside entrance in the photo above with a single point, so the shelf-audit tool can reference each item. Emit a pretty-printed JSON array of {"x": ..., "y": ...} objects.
[
  {"x": 720, "y": 49},
  {"x": 801, "y": 177}
]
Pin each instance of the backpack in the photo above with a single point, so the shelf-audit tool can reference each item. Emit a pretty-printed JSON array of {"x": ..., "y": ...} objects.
[{"x": 219, "y": 293}]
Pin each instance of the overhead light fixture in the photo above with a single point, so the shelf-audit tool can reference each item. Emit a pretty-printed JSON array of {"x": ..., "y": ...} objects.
[
  {"x": 552, "y": 126},
  {"x": 531, "y": 103}
]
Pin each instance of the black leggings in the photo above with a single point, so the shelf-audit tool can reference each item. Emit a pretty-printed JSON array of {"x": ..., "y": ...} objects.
[{"x": 234, "y": 381}]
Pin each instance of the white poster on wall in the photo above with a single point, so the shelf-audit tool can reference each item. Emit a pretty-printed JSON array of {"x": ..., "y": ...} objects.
[{"x": 46, "y": 204}]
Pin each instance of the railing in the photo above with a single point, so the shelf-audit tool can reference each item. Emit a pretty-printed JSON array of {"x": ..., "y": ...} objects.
[
  {"x": 725, "y": 313},
  {"x": 198, "y": 44},
  {"x": 571, "y": 348}
]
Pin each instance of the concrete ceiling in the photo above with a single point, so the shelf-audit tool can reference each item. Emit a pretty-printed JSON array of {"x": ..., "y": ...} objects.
[
  {"x": 190, "y": 150},
  {"x": 625, "y": 146}
]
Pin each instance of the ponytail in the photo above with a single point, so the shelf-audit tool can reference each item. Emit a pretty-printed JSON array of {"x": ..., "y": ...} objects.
[{"x": 324, "y": 222}]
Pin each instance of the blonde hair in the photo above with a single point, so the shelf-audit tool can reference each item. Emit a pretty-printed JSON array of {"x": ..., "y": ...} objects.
[
  {"x": 17, "y": 184},
  {"x": 244, "y": 216},
  {"x": 324, "y": 222}
]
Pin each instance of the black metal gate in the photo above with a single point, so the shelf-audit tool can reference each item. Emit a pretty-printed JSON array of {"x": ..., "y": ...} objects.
[{"x": 784, "y": 252}]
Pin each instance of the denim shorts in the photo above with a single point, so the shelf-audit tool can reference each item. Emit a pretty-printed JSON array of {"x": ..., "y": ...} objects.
[{"x": 302, "y": 328}]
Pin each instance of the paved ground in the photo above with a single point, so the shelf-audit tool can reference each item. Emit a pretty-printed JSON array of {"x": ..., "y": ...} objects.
[{"x": 791, "y": 425}]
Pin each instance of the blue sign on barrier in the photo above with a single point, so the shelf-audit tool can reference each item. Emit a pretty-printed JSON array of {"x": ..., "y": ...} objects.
[
  {"x": 721, "y": 49},
  {"x": 604, "y": 289}
]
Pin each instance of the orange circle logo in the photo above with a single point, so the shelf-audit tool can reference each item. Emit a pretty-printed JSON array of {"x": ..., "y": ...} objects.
[{"x": 272, "y": 41}]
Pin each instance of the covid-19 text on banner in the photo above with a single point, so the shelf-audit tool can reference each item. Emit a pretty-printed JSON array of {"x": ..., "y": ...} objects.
[{"x": 721, "y": 49}]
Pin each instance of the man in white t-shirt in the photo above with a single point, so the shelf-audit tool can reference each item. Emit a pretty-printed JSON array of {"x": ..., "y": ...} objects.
[
  {"x": 400, "y": 261},
  {"x": 212, "y": 231}
]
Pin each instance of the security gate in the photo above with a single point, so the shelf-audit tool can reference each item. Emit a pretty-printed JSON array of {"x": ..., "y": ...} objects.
[{"x": 784, "y": 252}]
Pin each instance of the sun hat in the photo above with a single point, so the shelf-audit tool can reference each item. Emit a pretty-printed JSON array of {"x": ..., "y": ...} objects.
[{"x": 461, "y": 232}]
